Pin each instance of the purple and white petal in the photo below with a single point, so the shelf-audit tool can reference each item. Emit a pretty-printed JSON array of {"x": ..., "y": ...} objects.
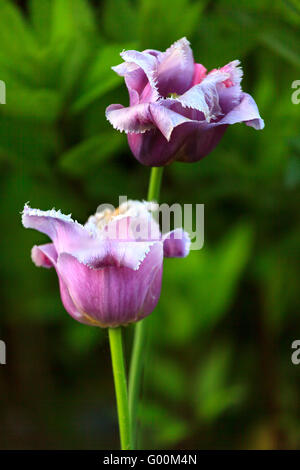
[
  {"x": 134, "y": 119},
  {"x": 70, "y": 307},
  {"x": 153, "y": 149},
  {"x": 129, "y": 254},
  {"x": 201, "y": 141},
  {"x": 166, "y": 119},
  {"x": 246, "y": 111},
  {"x": 176, "y": 243},
  {"x": 189, "y": 142},
  {"x": 116, "y": 296},
  {"x": 65, "y": 233},
  {"x": 92, "y": 249},
  {"x": 44, "y": 255},
  {"x": 199, "y": 74},
  {"x": 176, "y": 68},
  {"x": 235, "y": 72},
  {"x": 147, "y": 62},
  {"x": 135, "y": 79},
  {"x": 204, "y": 97}
]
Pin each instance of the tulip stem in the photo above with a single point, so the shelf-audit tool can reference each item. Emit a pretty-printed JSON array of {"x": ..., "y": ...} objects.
[
  {"x": 154, "y": 183},
  {"x": 140, "y": 333},
  {"x": 117, "y": 358}
]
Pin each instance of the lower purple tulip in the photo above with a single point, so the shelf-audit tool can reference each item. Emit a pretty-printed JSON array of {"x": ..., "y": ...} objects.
[
  {"x": 177, "y": 110},
  {"x": 109, "y": 269}
]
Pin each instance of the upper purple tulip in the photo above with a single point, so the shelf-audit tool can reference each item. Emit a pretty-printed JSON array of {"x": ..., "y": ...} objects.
[
  {"x": 109, "y": 269},
  {"x": 177, "y": 110}
]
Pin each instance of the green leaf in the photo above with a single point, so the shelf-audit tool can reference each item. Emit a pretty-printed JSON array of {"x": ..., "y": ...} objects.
[
  {"x": 16, "y": 37},
  {"x": 284, "y": 42},
  {"x": 27, "y": 141},
  {"x": 70, "y": 18},
  {"x": 168, "y": 428},
  {"x": 81, "y": 339},
  {"x": 213, "y": 396},
  {"x": 40, "y": 15},
  {"x": 292, "y": 176},
  {"x": 218, "y": 41},
  {"x": 76, "y": 58},
  {"x": 18, "y": 46},
  {"x": 175, "y": 387},
  {"x": 160, "y": 23},
  {"x": 39, "y": 104},
  {"x": 218, "y": 272},
  {"x": 224, "y": 269},
  {"x": 119, "y": 19},
  {"x": 100, "y": 78},
  {"x": 90, "y": 153}
]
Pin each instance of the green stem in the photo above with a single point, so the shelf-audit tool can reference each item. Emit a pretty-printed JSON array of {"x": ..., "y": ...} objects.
[
  {"x": 117, "y": 358},
  {"x": 154, "y": 183},
  {"x": 140, "y": 334}
]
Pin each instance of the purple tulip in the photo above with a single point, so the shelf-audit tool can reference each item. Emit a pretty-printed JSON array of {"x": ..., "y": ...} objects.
[
  {"x": 177, "y": 110},
  {"x": 109, "y": 269}
]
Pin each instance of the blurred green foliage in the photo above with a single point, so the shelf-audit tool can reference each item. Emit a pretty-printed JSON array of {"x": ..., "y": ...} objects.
[{"x": 218, "y": 371}]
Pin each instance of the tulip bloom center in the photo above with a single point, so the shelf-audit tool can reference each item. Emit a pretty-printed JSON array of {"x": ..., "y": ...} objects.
[
  {"x": 101, "y": 219},
  {"x": 172, "y": 95}
]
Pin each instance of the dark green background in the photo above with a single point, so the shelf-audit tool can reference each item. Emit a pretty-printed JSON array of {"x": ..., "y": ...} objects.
[{"x": 218, "y": 370}]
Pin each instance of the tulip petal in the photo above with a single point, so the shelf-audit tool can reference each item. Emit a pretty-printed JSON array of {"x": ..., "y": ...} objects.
[
  {"x": 113, "y": 296},
  {"x": 135, "y": 80},
  {"x": 204, "y": 97},
  {"x": 166, "y": 119},
  {"x": 153, "y": 148},
  {"x": 230, "y": 90},
  {"x": 118, "y": 254},
  {"x": 176, "y": 68},
  {"x": 92, "y": 249},
  {"x": 246, "y": 111},
  {"x": 146, "y": 61},
  {"x": 44, "y": 255},
  {"x": 235, "y": 72},
  {"x": 65, "y": 233},
  {"x": 69, "y": 304},
  {"x": 134, "y": 119},
  {"x": 200, "y": 141},
  {"x": 199, "y": 74},
  {"x": 176, "y": 243}
]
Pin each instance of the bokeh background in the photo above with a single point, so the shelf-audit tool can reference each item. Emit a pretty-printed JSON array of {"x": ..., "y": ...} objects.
[{"x": 218, "y": 364}]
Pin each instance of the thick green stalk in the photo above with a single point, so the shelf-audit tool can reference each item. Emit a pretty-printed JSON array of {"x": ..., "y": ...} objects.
[
  {"x": 117, "y": 358},
  {"x": 140, "y": 333}
]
